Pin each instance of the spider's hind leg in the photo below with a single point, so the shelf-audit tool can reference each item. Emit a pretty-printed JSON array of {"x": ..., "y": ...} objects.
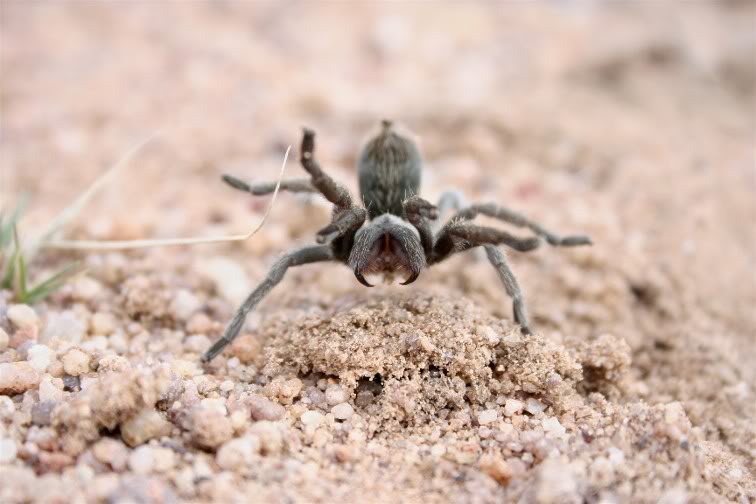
[
  {"x": 499, "y": 262},
  {"x": 519, "y": 220}
]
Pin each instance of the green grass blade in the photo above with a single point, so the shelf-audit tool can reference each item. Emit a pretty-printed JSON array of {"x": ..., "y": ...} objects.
[
  {"x": 21, "y": 287},
  {"x": 7, "y": 228},
  {"x": 52, "y": 284},
  {"x": 10, "y": 273}
]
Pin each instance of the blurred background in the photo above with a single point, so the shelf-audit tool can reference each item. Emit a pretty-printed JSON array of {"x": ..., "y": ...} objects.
[{"x": 630, "y": 121}]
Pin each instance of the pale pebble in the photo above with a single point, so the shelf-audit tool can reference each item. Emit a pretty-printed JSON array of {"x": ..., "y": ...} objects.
[
  {"x": 262, "y": 408},
  {"x": 17, "y": 377},
  {"x": 48, "y": 391},
  {"x": 216, "y": 405},
  {"x": 39, "y": 357},
  {"x": 142, "y": 460},
  {"x": 76, "y": 362},
  {"x": 8, "y": 451},
  {"x": 184, "y": 304},
  {"x": 228, "y": 276},
  {"x": 145, "y": 425},
  {"x": 86, "y": 288},
  {"x": 336, "y": 394},
  {"x": 534, "y": 406},
  {"x": 22, "y": 316},
  {"x": 64, "y": 326},
  {"x": 112, "y": 452},
  {"x": 487, "y": 333},
  {"x": 185, "y": 368},
  {"x": 342, "y": 411},
  {"x": 102, "y": 323},
  {"x": 236, "y": 453},
  {"x": 553, "y": 427},
  {"x": 486, "y": 417},
  {"x": 4, "y": 339},
  {"x": 512, "y": 407},
  {"x": 312, "y": 418}
]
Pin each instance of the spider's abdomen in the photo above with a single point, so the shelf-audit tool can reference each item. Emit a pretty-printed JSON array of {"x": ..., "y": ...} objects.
[{"x": 389, "y": 171}]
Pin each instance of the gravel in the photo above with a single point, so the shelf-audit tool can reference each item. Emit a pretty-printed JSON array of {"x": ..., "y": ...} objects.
[
  {"x": 8, "y": 451},
  {"x": 4, "y": 339},
  {"x": 22, "y": 316},
  {"x": 76, "y": 362},
  {"x": 343, "y": 411},
  {"x": 17, "y": 377}
]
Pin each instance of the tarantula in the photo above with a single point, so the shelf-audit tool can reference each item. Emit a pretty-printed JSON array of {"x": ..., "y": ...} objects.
[{"x": 399, "y": 237}]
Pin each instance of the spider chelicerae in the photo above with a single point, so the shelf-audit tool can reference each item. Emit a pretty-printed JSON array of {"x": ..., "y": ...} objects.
[{"x": 394, "y": 232}]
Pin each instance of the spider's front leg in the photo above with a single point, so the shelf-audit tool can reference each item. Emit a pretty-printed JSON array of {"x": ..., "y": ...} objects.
[
  {"x": 419, "y": 213},
  {"x": 305, "y": 255},
  {"x": 263, "y": 188}
]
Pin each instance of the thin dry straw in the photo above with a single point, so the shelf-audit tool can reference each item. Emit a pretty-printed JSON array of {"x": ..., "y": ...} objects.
[{"x": 135, "y": 244}]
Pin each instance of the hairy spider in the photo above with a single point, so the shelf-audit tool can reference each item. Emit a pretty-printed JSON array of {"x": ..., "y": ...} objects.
[{"x": 399, "y": 237}]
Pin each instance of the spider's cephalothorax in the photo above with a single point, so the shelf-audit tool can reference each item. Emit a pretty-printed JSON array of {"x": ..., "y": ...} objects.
[{"x": 393, "y": 234}]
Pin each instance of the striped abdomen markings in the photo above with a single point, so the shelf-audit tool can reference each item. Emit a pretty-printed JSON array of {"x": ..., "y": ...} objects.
[{"x": 389, "y": 171}]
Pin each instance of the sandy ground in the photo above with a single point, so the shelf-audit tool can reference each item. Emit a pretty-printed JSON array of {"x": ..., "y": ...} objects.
[{"x": 633, "y": 123}]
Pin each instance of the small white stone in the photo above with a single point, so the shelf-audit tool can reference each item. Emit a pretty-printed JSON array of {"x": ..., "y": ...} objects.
[
  {"x": 142, "y": 460},
  {"x": 216, "y": 405},
  {"x": 102, "y": 323},
  {"x": 76, "y": 362},
  {"x": 39, "y": 356},
  {"x": 534, "y": 406},
  {"x": 312, "y": 418},
  {"x": 17, "y": 378},
  {"x": 8, "y": 451},
  {"x": 185, "y": 304},
  {"x": 95, "y": 343},
  {"x": 164, "y": 459},
  {"x": 486, "y": 417},
  {"x": 342, "y": 411},
  {"x": 336, "y": 394},
  {"x": 553, "y": 427},
  {"x": 64, "y": 326},
  {"x": 48, "y": 391},
  {"x": 86, "y": 288},
  {"x": 22, "y": 316},
  {"x": 437, "y": 450},
  {"x": 237, "y": 453},
  {"x": 228, "y": 276},
  {"x": 145, "y": 425},
  {"x": 488, "y": 334},
  {"x": 4, "y": 339},
  {"x": 227, "y": 386},
  {"x": 616, "y": 456},
  {"x": 512, "y": 407},
  {"x": 184, "y": 368}
]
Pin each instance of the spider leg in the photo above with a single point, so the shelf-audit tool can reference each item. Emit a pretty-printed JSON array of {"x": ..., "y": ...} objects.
[
  {"x": 332, "y": 190},
  {"x": 459, "y": 235},
  {"x": 450, "y": 200},
  {"x": 298, "y": 257},
  {"x": 499, "y": 262},
  {"x": 263, "y": 188},
  {"x": 519, "y": 220},
  {"x": 419, "y": 213},
  {"x": 347, "y": 221}
]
